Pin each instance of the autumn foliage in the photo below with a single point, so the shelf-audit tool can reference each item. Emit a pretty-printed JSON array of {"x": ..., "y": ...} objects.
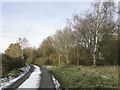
[
  {"x": 12, "y": 58},
  {"x": 14, "y": 50}
]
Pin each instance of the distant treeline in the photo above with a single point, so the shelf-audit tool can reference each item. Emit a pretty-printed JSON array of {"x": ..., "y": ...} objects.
[{"x": 89, "y": 38}]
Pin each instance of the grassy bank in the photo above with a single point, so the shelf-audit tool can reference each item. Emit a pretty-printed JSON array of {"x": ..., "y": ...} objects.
[
  {"x": 12, "y": 74},
  {"x": 87, "y": 77}
]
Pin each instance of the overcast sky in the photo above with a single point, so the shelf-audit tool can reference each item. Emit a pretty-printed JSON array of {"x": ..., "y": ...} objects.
[{"x": 35, "y": 20}]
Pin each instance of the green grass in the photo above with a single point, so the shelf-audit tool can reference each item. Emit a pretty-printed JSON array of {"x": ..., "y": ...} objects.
[
  {"x": 87, "y": 77},
  {"x": 12, "y": 74}
]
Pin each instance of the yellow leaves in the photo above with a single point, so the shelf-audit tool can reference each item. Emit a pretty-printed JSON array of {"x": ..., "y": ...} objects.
[
  {"x": 7, "y": 50},
  {"x": 14, "y": 50},
  {"x": 62, "y": 63},
  {"x": 11, "y": 45}
]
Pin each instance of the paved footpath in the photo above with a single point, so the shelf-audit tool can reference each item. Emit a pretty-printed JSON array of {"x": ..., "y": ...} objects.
[
  {"x": 46, "y": 79},
  {"x": 16, "y": 84}
]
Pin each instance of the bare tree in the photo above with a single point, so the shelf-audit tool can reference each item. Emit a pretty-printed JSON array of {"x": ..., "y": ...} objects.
[
  {"x": 23, "y": 43},
  {"x": 62, "y": 42},
  {"x": 92, "y": 27}
]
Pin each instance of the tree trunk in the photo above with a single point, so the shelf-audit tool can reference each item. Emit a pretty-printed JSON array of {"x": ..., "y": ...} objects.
[
  {"x": 96, "y": 37},
  {"x": 67, "y": 60},
  {"x": 67, "y": 56},
  {"x": 95, "y": 49},
  {"x": 77, "y": 58}
]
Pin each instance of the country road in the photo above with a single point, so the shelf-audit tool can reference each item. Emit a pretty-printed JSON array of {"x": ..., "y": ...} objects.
[{"x": 36, "y": 78}]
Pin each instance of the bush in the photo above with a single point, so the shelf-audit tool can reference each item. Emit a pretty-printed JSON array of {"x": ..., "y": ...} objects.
[{"x": 10, "y": 63}]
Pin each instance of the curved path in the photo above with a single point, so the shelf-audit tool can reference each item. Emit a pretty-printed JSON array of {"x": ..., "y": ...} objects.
[
  {"x": 16, "y": 84},
  {"x": 45, "y": 81}
]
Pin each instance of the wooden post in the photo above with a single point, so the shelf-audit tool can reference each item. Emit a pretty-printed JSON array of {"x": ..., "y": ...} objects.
[
  {"x": 59, "y": 60},
  {"x": 0, "y": 65}
]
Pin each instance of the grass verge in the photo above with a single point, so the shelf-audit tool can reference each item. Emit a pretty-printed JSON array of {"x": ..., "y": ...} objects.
[
  {"x": 12, "y": 74},
  {"x": 87, "y": 76}
]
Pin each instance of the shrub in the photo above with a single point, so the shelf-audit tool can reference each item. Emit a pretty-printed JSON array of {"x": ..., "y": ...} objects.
[{"x": 10, "y": 63}]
